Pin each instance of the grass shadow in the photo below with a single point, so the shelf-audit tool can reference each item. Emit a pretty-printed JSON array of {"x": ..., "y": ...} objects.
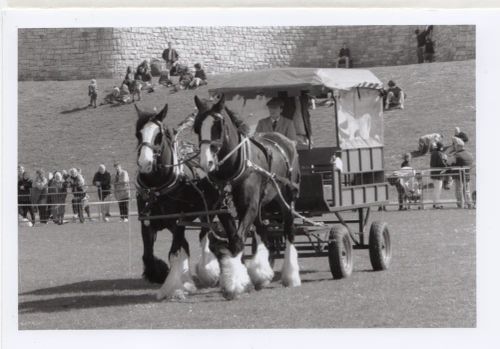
[
  {"x": 74, "y": 110},
  {"x": 94, "y": 286},
  {"x": 68, "y": 303}
]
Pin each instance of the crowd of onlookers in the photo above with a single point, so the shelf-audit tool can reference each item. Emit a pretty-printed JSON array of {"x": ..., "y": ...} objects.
[
  {"x": 45, "y": 194},
  {"x": 449, "y": 165},
  {"x": 134, "y": 83}
]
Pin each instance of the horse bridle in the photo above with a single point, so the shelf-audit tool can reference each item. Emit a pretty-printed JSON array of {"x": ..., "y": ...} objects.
[
  {"x": 155, "y": 148},
  {"x": 217, "y": 143}
]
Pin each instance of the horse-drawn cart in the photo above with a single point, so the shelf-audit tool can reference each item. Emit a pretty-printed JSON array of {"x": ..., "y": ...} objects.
[{"x": 337, "y": 114}]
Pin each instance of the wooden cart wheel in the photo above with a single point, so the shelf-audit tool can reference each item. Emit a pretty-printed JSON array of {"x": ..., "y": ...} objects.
[
  {"x": 380, "y": 246},
  {"x": 340, "y": 252}
]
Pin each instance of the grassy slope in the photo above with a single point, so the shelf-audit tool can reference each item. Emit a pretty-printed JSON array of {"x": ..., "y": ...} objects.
[{"x": 55, "y": 131}]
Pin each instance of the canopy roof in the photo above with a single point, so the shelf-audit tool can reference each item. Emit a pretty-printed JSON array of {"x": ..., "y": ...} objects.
[{"x": 271, "y": 81}]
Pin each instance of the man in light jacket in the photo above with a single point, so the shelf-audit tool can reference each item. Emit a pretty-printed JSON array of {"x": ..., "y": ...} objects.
[
  {"x": 276, "y": 122},
  {"x": 122, "y": 191}
]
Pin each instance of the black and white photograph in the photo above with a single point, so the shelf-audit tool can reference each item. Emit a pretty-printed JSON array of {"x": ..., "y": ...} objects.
[{"x": 251, "y": 175}]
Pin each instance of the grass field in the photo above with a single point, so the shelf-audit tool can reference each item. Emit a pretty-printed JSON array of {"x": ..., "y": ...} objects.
[{"x": 88, "y": 276}]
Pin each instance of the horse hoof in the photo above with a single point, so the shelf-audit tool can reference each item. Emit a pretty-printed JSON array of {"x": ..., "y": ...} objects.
[
  {"x": 189, "y": 287},
  {"x": 230, "y": 295},
  {"x": 176, "y": 294},
  {"x": 291, "y": 282},
  {"x": 259, "y": 286},
  {"x": 156, "y": 272}
]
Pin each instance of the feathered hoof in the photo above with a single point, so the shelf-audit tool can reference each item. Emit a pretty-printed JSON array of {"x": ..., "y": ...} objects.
[
  {"x": 189, "y": 287},
  {"x": 207, "y": 277},
  {"x": 175, "y": 294},
  {"x": 291, "y": 281},
  {"x": 234, "y": 278},
  {"x": 156, "y": 271}
]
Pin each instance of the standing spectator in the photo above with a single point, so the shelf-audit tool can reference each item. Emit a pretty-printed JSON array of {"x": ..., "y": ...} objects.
[
  {"x": 463, "y": 158},
  {"x": 438, "y": 160},
  {"x": 185, "y": 78},
  {"x": 171, "y": 57},
  {"x": 421, "y": 39},
  {"x": 200, "y": 78},
  {"x": 20, "y": 172},
  {"x": 461, "y": 134},
  {"x": 24, "y": 186},
  {"x": 102, "y": 180},
  {"x": 58, "y": 189},
  {"x": 122, "y": 191},
  {"x": 429, "y": 50},
  {"x": 129, "y": 78},
  {"x": 344, "y": 56},
  {"x": 39, "y": 195},
  {"x": 93, "y": 93},
  {"x": 80, "y": 199}
]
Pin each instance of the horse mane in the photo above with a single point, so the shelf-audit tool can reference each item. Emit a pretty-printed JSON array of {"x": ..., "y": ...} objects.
[{"x": 241, "y": 126}]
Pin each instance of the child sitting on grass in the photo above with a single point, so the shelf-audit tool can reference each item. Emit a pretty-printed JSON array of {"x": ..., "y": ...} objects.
[{"x": 93, "y": 93}]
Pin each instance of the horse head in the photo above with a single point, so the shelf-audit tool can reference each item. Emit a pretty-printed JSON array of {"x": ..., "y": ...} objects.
[
  {"x": 153, "y": 140},
  {"x": 218, "y": 131}
]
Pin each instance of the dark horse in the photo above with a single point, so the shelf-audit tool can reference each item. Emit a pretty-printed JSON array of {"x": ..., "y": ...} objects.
[
  {"x": 165, "y": 186},
  {"x": 230, "y": 158}
]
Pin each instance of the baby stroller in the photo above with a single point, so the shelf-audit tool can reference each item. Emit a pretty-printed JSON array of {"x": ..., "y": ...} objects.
[{"x": 408, "y": 183}]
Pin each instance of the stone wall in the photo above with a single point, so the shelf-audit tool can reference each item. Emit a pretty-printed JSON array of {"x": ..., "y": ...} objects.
[{"x": 65, "y": 54}]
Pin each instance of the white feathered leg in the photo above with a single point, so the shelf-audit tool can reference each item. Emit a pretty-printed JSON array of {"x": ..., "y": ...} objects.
[
  {"x": 207, "y": 269},
  {"x": 290, "y": 276},
  {"x": 259, "y": 269},
  {"x": 234, "y": 279},
  {"x": 179, "y": 280}
]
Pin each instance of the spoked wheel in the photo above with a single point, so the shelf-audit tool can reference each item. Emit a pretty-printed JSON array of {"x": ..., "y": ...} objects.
[
  {"x": 380, "y": 246},
  {"x": 340, "y": 252}
]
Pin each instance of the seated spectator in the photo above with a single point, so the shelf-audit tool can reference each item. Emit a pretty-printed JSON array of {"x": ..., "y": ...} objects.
[
  {"x": 118, "y": 95},
  {"x": 406, "y": 160},
  {"x": 24, "y": 186},
  {"x": 185, "y": 78},
  {"x": 200, "y": 78},
  {"x": 276, "y": 122},
  {"x": 143, "y": 72},
  {"x": 344, "y": 56},
  {"x": 394, "y": 97},
  {"x": 58, "y": 190},
  {"x": 427, "y": 142}
]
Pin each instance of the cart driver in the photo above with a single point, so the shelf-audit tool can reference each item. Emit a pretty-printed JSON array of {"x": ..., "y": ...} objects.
[{"x": 276, "y": 122}]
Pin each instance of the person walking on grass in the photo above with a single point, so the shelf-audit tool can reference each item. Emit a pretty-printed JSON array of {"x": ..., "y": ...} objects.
[{"x": 122, "y": 190}]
